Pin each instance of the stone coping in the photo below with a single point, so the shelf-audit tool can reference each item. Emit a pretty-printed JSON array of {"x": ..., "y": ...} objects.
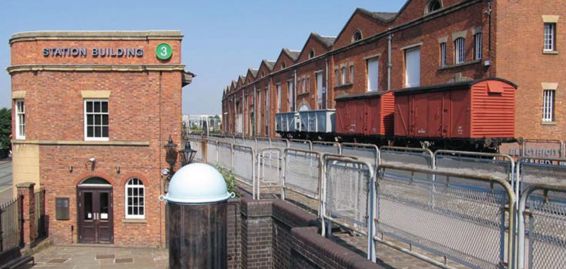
[
  {"x": 97, "y": 35},
  {"x": 95, "y": 68},
  {"x": 81, "y": 143}
]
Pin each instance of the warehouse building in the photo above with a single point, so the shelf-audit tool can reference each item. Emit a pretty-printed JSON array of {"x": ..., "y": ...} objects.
[
  {"x": 426, "y": 44},
  {"x": 92, "y": 113}
]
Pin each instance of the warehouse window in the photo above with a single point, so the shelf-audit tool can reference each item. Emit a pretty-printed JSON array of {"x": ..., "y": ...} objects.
[
  {"x": 433, "y": 5},
  {"x": 372, "y": 74},
  {"x": 550, "y": 37},
  {"x": 311, "y": 54},
  {"x": 357, "y": 36},
  {"x": 278, "y": 89},
  {"x": 351, "y": 73},
  {"x": 337, "y": 76},
  {"x": 477, "y": 46},
  {"x": 459, "y": 52},
  {"x": 548, "y": 106},
  {"x": 344, "y": 75},
  {"x": 96, "y": 120},
  {"x": 413, "y": 67},
  {"x": 443, "y": 54},
  {"x": 20, "y": 119},
  {"x": 135, "y": 195},
  {"x": 290, "y": 96}
]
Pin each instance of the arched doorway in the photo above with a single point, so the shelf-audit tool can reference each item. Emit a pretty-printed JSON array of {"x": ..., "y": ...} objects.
[{"x": 94, "y": 211}]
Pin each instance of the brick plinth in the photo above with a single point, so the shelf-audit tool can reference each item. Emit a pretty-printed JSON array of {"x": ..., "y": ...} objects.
[{"x": 25, "y": 192}]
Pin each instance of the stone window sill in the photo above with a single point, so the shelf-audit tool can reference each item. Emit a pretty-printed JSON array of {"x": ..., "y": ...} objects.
[
  {"x": 550, "y": 52},
  {"x": 345, "y": 85},
  {"x": 135, "y": 221},
  {"x": 459, "y": 65},
  {"x": 548, "y": 123}
]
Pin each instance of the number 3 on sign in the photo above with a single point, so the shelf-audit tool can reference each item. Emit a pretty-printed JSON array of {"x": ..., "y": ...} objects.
[{"x": 163, "y": 51}]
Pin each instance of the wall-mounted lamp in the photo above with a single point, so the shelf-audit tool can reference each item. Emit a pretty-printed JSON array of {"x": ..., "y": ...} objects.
[
  {"x": 117, "y": 169},
  {"x": 92, "y": 162},
  {"x": 70, "y": 168}
]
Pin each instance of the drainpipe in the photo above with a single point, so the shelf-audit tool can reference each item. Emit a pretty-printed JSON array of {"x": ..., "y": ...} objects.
[
  {"x": 254, "y": 130},
  {"x": 295, "y": 90},
  {"x": 489, "y": 11},
  {"x": 325, "y": 88},
  {"x": 389, "y": 64}
]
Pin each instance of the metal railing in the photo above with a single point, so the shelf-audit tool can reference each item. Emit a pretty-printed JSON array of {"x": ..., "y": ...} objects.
[
  {"x": 451, "y": 208},
  {"x": 11, "y": 214}
]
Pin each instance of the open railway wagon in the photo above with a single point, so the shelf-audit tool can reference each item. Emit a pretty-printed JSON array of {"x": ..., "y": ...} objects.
[{"x": 471, "y": 115}]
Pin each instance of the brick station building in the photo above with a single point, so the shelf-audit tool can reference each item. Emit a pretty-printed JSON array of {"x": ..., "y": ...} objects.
[
  {"x": 92, "y": 112},
  {"x": 426, "y": 43}
]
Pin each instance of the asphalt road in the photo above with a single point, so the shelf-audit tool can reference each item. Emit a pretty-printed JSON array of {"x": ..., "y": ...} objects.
[{"x": 5, "y": 180}]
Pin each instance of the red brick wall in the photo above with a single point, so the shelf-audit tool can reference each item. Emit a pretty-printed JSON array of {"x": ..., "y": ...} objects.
[
  {"x": 143, "y": 107},
  {"x": 359, "y": 21},
  {"x": 520, "y": 58}
]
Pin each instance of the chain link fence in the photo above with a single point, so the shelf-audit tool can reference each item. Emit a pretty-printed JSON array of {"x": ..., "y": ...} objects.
[
  {"x": 451, "y": 219},
  {"x": 542, "y": 227},
  {"x": 327, "y": 147},
  {"x": 302, "y": 174},
  {"x": 348, "y": 196},
  {"x": 243, "y": 158},
  {"x": 269, "y": 171}
]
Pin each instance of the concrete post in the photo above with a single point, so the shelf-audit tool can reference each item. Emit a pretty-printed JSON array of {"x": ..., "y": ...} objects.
[{"x": 25, "y": 192}]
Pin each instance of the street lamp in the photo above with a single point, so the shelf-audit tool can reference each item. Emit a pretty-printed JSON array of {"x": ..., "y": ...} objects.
[
  {"x": 170, "y": 155},
  {"x": 187, "y": 154}
]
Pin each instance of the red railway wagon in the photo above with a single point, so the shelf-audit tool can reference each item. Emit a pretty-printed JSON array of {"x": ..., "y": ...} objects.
[
  {"x": 480, "y": 110},
  {"x": 365, "y": 114}
]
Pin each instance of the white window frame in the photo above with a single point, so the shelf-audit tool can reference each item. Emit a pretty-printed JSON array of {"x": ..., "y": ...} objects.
[
  {"x": 87, "y": 138},
  {"x": 290, "y": 97},
  {"x": 343, "y": 75},
  {"x": 548, "y": 105},
  {"x": 408, "y": 79},
  {"x": 278, "y": 89},
  {"x": 351, "y": 73},
  {"x": 478, "y": 39},
  {"x": 443, "y": 54},
  {"x": 369, "y": 75},
  {"x": 20, "y": 117},
  {"x": 549, "y": 36},
  {"x": 459, "y": 50},
  {"x": 127, "y": 205},
  {"x": 319, "y": 88}
]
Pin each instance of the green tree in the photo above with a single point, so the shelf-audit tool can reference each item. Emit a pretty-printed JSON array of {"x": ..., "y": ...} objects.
[{"x": 5, "y": 127}]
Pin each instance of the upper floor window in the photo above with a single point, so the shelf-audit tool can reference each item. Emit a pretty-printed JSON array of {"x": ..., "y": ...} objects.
[
  {"x": 283, "y": 65},
  {"x": 311, "y": 54},
  {"x": 443, "y": 54},
  {"x": 548, "y": 106},
  {"x": 550, "y": 37},
  {"x": 413, "y": 67},
  {"x": 343, "y": 77},
  {"x": 20, "y": 119},
  {"x": 357, "y": 36},
  {"x": 278, "y": 89},
  {"x": 96, "y": 120},
  {"x": 477, "y": 46},
  {"x": 433, "y": 5},
  {"x": 135, "y": 195},
  {"x": 459, "y": 52},
  {"x": 372, "y": 74},
  {"x": 351, "y": 74}
]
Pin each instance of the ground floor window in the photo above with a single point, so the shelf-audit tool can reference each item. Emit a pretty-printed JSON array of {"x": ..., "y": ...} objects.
[{"x": 135, "y": 194}]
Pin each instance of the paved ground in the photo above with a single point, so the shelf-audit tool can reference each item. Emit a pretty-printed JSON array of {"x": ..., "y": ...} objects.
[
  {"x": 5, "y": 180},
  {"x": 87, "y": 257}
]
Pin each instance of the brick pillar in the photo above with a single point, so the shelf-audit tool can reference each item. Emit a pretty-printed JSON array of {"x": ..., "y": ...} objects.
[
  {"x": 256, "y": 234},
  {"x": 25, "y": 192}
]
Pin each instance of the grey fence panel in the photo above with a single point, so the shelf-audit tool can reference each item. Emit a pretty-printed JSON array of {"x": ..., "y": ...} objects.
[
  {"x": 302, "y": 172},
  {"x": 366, "y": 152},
  {"x": 243, "y": 161},
  {"x": 225, "y": 155},
  {"x": 422, "y": 158},
  {"x": 279, "y": 143},
  {"x": 542, "y": 171},
  {"x": 269, "y": 169},
  {"x": 197, "y": 146},
  {"x": 498, "y": 165},
  {"x": 326, "y": 147},
  {"x": 348, "y": 196},
  {"x": 11, "y": 214},
  {"x": 458, "y": 216},
  {"x": 212, "y": 152},
  {"x": 542, "y": 227},
  {"x": 262, "y": 143},
  {"x": 300, "y": 144}
]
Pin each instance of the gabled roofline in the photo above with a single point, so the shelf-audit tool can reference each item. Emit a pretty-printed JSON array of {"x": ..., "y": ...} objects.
[
  {"x": 320, "y": 39},
  {"x": 366, "y": 13}
]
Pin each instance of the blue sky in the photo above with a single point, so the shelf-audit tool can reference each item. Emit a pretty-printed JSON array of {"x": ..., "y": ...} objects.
[{"x": 222, "y": 38}]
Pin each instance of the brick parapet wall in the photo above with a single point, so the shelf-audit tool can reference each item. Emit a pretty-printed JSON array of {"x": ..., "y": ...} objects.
[
  {"x": 233, "y": 229},
  {"x": 256, "y": 233}
]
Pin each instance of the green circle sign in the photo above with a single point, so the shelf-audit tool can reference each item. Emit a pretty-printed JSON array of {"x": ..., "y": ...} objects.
[{"x": 163, "y": 51}]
